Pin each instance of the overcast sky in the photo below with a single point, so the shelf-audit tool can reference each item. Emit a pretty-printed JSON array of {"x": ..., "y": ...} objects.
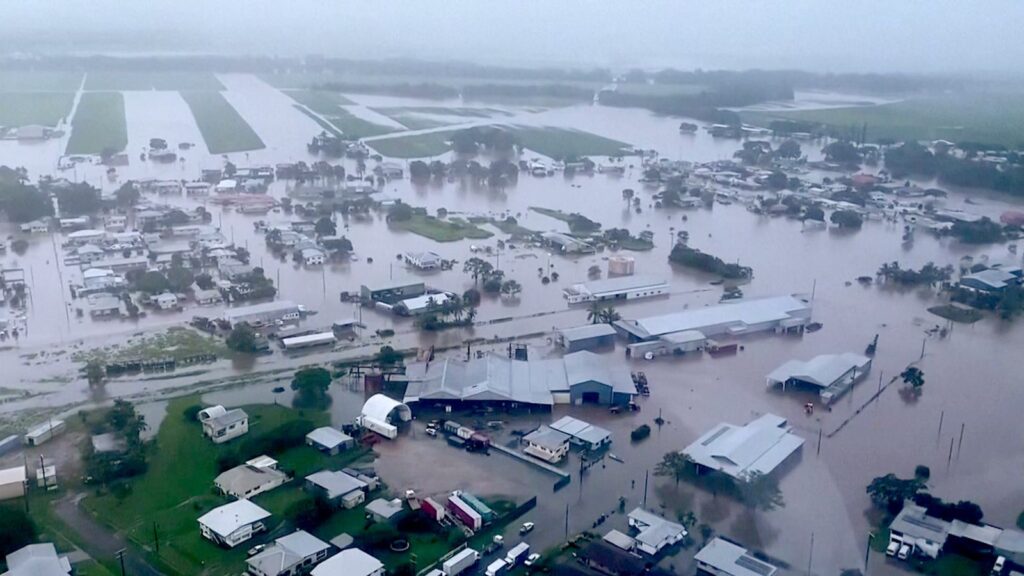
[{"x": 820, "y": 35}]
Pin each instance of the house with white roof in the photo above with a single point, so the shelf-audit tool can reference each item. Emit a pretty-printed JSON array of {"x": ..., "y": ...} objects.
[
  {"x": 738, "y": 451},
  {"x": 37, "y": 560},
  {"x": 329, "y": 440},
  {"x": 231, "y": 524},
  {"x": 221, "y": 424},
  {"x": 582, "y": 433},
  {"x": 654, "y": 533},
  {"x": 351, "y": 562},
  {"x": 422, "y": 260},
  {"x": 256, "y": 476},
  {"x": 547, "y": 444},
  {"x": 289, "y": 555},
  {"x": 337, "y": 487},
  {"x": 723, "y": 558}
]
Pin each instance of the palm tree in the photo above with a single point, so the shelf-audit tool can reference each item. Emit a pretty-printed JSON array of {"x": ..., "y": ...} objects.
[
  {"x": 627, "y": 194},
  {"x": 913, "y": 376},
  {"x": 511, "y": 288},
  {"x": 594, "y": 313},
  {"x": 609, "y": 315},
  {"x": 477, "y": 268}
]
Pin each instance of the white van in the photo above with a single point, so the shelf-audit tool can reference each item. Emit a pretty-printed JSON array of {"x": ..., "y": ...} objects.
[
  {"x": 904, "y": 552},
  {"x": 893, "y": 548}
]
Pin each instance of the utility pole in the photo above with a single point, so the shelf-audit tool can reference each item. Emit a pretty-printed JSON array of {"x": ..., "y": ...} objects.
[
  {"x": 647, "y": 475},
  {"x": 867, "y": 552},
  {"x": 810, "y": 555},
  {"x": 120, "y": 556},
  {"x": 939, "y": 434},
  {"x": 566, "y": 521},
  {"x": 961, "y": 442},
  {"x": 923, "y": 342},
  {"x": 819, "y": 442}
]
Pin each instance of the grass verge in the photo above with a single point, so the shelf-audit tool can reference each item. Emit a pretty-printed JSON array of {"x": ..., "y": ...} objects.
[
  {"x": 450, "y": 230},
  {"x": 327, "y": 126},
  {"x": 563, "y": 142},
  {"x": 99, "y": 124},
  {"x": 222, "y": 127},
  {"x": 416, "y": 146}
]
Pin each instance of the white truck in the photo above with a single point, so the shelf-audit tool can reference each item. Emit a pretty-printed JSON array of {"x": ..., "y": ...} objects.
[
  {"x": 496, "y": 568},
  {"x": 460, "y": 562},
  {"x": 517, "y": 554}
]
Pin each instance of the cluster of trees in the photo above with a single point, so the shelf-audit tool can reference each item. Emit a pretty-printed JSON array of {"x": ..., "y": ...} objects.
[
  {"x": 622, "y": 237},
  {"x": 1008, "y": 303},
  {"x": 842, "y": 152},
  {"x": 242, "y": 338},
  {"x": 287, "y": 435},
  {"x": 847, "y": 219},
  {"x": 126, "y": 423},
  {"x": 889, "y": 492},
  {"x": 929, "y": 274},
  {"x": 23, "y": 203},
  {"x": 602, "y": 314},
  {"x": 255, "y": 286},
  {"x": 17, "y": 530},
  {"x": 983, "y": 231},
  {"x": 454, "y": 311},
  {"x": 311, "y": 386},
  {"x": 692, "y": 258},
  {"x": 912, "y": 158},
  {"x": 177, "y": 279},
  {"x": 490, "y": 279}
]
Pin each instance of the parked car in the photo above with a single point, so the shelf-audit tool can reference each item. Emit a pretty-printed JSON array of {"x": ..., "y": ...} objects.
[
  {"x": 532, "y": 559},
  {"x": 256, "y": 549},
  {"x": 904, "y": 552},
  {"x": 997, "y": 568},
  {"x": 893, "y": 548},
  {"x": 526, "y": 528},
  {"x": 432, "y": 432}
]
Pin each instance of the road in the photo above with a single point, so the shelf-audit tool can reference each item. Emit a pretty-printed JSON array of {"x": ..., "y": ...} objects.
[{"x": 98, "y": 540}]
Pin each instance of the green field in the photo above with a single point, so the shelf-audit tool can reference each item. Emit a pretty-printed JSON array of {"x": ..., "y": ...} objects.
[
  {"x": 415, "y": 146},
  {"x": 131, "y": 80},
  {"x": 99, "y": 124},
  {"x": 39, "y": 81},
  {"x": 177, "y": 343},
  {"x": 450, "y": 230},
  {"x": 319, "y": 101},
  {"x": 991, "y": 118},
  {"x": 223, "y": 129},
  {"x": 23, "y": 108},
  {"x": 564, "y": 142},
  {"x": 320, "y": 121},
  {"x": 354, "y": 127},
  {"x": 177, "y": 489}
]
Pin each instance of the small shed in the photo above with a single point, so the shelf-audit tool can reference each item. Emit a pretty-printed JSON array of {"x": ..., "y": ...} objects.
[
  {"x": 329, "y": 440},
  {"x": 381, "y": 510},
  {"x": 12, "y": 482},
  {"x": 588, "y": 337}
]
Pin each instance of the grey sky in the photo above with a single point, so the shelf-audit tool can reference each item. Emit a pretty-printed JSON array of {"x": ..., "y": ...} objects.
[{"x": 823, "y": 35}]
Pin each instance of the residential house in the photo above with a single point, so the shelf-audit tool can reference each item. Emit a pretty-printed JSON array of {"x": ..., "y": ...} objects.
[
  {"x": 602, "y": 557},
  {"x": 256, "y": 476},
  {"x": 313, "y": 256},
  {"x": 721, "y": 557},
  {"x": 547, "y": 444},
  {"x": 207, "y": 297},
  {"x": 329, "y": 440},
  {"x": 37, "y": 560},
  {"x": 41, "y": 226},
  {"x": 231, "y": 524},
  {"x": 103, "y": 305},
  {"x": 381, "y": 510},
  {"x": 337, "y": 488},
  {"x": 351, "y": 562},
  {"x": 289, "y": 555},
  {"x": 165, "y": 301},
  {"x": 654, "y": 533},
  {"x": 221, "y": 424},
  {"x": 423, "y": 260}
]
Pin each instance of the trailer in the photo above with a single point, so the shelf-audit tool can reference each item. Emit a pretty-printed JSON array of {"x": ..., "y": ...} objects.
[
  {"x": 460, "y": 562},
  {"x": 309, "y": 341},
  {"x": 456, "y": 442},
  {"x": 384, "y": 429},
  {"x": 464, "y": 432},
  {"x": 496, "y": 568},
  {"x": 464, "y": 512},
  {"x": 451, "y": 426},
  {"x": 44, "y": 432},
  {"x": 432, "y": 509},
  {"x": 517, "y": 554},
  {"x": 482, "y": 509}
]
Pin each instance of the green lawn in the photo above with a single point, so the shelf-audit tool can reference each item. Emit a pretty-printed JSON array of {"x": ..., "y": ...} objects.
[
  {"x": 39, "y": 80},
  {"x": 46, "y": 108},
  {"x": 450, "y": 230},
  {"x": 131, "y": 80},
  {"x": 223, "y": 129},
  {"x": 176, "y": 342},
  {"x": 99, "y": 124},
  {"x": 354, "y": 127},
  {"x": 992, "y": 118},
  {"x": 416, "y": 146},
  {"x": 327, "y": 126},
  {"x": 319, "y": 101},
  {"x": 178, "y": 488},
  {"x": 564, "y": 142}
]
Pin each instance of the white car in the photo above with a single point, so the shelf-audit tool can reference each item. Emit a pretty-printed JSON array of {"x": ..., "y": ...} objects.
[
  {"x": 997, "y": 568},
  {"x": 532, "y": 559},
  {"x": 526, "y": 528},
  {"x": 893, "y": 548},
  {"x": 904, "y": 552}
]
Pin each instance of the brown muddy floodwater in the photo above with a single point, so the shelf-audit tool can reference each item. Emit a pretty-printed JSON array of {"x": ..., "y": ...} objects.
[{"x": 971, "y": 375}]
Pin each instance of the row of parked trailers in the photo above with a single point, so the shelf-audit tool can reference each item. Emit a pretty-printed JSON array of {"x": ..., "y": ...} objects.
[
  {"x": 461, "y": 436},
  {"x": 464, "y": 507}
]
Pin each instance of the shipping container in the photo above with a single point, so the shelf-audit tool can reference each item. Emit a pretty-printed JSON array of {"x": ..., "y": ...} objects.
[
  {"x": 460, "y": 562},
  {"x": 517, "y": 554},
  {"x": 464, "y": 432},
  {"x": 432, "y": 509},
  {"x": 464, "y": 512},
  {"x": 451, "y": 426},
  {"x": 482, "y": 509}
]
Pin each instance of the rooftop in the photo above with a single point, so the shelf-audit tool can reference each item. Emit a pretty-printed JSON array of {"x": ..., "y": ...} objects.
[
  {"x": 244, "y": 478},
  {"x": 733, "y": 560},
  {"x": 581, "y": 430},
  {"x": 587, "y": 331},
  {"x": 618, "y": 284},
  {"x": 547, "y": 438},
  {"x": 759, "y": 446},
  {"x": 228, "y": 418},
  {"x": 351, "y": 562},
  {"x": 336, "y": 484},
  {"x": 384, "y": 508},
  {"x": 224, "y": 520},
  {"x": 328, "y": 437},
  {"x": 914, "y": 521},
  {"x": 821, "y": 371},
  {"x": 37, "y": 560},
  {"x": 993, "y": 278},
  {"x": 731, "y": 316},
  {"x": 286, "y": 552}
]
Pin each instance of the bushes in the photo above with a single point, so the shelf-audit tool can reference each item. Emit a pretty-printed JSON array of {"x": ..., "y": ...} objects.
[
  {"x": 692, "y": 258},
  {"x": 287, "y": 435}
]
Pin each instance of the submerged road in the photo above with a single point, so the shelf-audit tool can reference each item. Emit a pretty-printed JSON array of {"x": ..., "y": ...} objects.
[{"x": 99, "y": 541}]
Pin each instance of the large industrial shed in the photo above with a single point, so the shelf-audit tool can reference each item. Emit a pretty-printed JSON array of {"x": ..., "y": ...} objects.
[
  {"x": 830, "y": 374},
  {"x": 738, "y": 451},
  {"x": 781, "y": 313},
  {"x": 577, "y": 378},
  {"x": 384, "y": 415},
  {"x": 587, "y": 337}
]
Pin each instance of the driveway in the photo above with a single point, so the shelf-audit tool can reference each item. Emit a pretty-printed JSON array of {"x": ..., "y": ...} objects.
[{"x": 98, "y": 540}]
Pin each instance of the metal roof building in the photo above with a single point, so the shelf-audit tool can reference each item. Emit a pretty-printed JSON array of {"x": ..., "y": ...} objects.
[
  {"x": 37, "y": 560},
  {"x": 580, "y": 377},
  {"x": 300, "y": 548},
  {"x": 583, "y": 433},
  {"x": 913, "y": 526},
  {"x": 655, "y": 532},
  {"x": 832, "y": 373},
  {"x": 351, "y": 562},
  {"x": 733, "y": 318},
  {"x": 723, "y": 558},
  {"x": 265, "y": 312},
  {"x": 759, "y": 446},
  {"x": 619, "y": 288},
  {"x": 586, "y": 337},
  {"x": 334, "y": 484}
]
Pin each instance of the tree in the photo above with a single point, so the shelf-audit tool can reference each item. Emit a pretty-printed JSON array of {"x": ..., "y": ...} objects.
[
  {"x": 16, "y": 531},
  {"x": 511, "y": 288},
  {"x": 242, "y": 338},
  {"x": 789, "y": 149},
  {"x": 325, "y": 227},
  {"x": 311, "y": 385},
  {"x": 78, "y": 199},
  {"x": 477, "y": 268},
  {"x": 609, "y": 315},
  {"x": 759, "y": 491},
  {"x": 846, "y": 219},
  {"x": 24, "y": 203},
  {"x": 843, "y": 152},
  {"x": 471, "y": 297},
  {"x": 594, "y": 313},
  {"x": 400, "y": 212},
  {"x": 913, "y": 376},
  {"x": 204, "y": 281},
  {"x": 627, "y": 194},
  {"x": 153, "y": 282},
  {"x": 179, "y": 279},
  {"x": 814, "y": 213},
  {"x": 419, "y": 171},
  {"x": 675, "y": 465},
  {"x": 95, "y": 372},
  {"x": 777, "y": 180},
  {"x": 388, "y": 356},
  {"x": 127, "y": 194},
  {"x": 594, "y": 272},
  {"x": 889, "y": 491}
]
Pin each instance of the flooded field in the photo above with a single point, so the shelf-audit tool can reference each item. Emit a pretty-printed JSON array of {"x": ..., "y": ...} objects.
[{"x": 970, "y": 373}]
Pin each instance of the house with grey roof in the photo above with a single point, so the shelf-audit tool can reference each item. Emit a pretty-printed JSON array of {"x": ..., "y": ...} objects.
[
  {"x": 37, "y": 560},
  {"x": 654, "y": 533},
  {"x": 721, "y": 557},
  {"x": 582, "y": 433},
  {"x": 759, "y": 447},
  {"x": 336, "y": 486},
  {"x": 289, "y": 555},
  {"x": 547, "y": 444},
  {"x": 249, "y": 479},
  {"x": 221, "y": 424}
]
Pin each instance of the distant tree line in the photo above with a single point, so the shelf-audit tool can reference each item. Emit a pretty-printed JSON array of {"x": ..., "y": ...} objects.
[
  {"x": 692, "y": 258},
  {"x": 912, "y": 158}
]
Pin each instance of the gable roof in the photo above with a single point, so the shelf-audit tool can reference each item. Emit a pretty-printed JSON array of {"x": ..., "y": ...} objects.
[
  {"x": 328, "y": 437},
  {"x": 351, "y": 562},
  {"x": 224, "y": 520},
  {"x": 335, "y": 483},
  {"x": 286, "y": 552},
  {"x": 732, "y": 559},
  {"x": 241, "y": 479},
  {"x": 37, "y": 560},
  {"x": 759, "y": 446}
]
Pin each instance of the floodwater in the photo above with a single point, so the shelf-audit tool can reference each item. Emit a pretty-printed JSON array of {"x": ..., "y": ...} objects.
[{"x": 970, "y": 374}]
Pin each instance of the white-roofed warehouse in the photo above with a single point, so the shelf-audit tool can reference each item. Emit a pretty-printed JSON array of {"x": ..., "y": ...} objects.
[
  {"x": 383, "y": 415},
  {"x": 732, "y": 318},
  {"x": 759, "y": 446},
  {"x": 832, "y": 374}
]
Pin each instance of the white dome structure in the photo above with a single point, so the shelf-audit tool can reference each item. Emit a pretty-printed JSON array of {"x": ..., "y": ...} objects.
[{"x": 382, "y": 415}]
